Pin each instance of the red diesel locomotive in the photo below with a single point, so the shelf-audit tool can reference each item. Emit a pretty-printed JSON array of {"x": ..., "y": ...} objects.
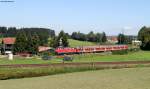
[{"x": 90, "y": 49}]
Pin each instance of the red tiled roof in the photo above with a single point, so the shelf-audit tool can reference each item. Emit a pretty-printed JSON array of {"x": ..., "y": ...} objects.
[
  {"x": 112, "y": 38},
  {"x": 42, "y": 48},
  {"x": 9, "y": 40}
]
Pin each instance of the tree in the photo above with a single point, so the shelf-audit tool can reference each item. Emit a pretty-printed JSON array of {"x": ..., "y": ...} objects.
[
  {"x": 99, "y": 38},
  {"x": 141, "y": 33},
  {"x": 144, "y": 36},
  {"x": 33, "y": 43},
  {"x": 65, "y": 41},
  {"x": 83, "y": 37},
  {"x": 91, "y": 36},
  {"x": 26, "y": 42},
  {"x": 21, "y": 42},
  {"x": 43, "y": 33},
  {"x": 62, "y": 36},
  {"x": 53, "y": 42},
  {"x": 68, "y": 36},
  {"x": 104, "y": 38},
  {"x": 74, "y": 35},
  {"x": 51, "y": 33},
  {"x": 3, "y": 31},
  {"x": 79, "y": 36},
  {"x": 11, "y": 32},
  {"x": 121, "y": 39}
]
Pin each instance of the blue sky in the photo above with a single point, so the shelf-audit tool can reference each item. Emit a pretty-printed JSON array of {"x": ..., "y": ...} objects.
[{"x": 110, "y": 16}]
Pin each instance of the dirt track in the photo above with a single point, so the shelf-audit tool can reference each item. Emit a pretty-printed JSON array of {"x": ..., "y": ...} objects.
[{"x": 77, "y": 64}]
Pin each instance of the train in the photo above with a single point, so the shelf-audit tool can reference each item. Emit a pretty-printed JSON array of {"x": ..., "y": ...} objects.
[{"x": 90, "y": 49}]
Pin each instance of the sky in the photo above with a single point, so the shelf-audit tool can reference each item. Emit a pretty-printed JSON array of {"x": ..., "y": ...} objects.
[{"x": 110, "y": 16}]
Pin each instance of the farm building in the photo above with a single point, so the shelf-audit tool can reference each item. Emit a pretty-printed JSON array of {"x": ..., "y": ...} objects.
[
  {"x": 112, "y": 39},
  {"x": 136, "y": 43},
  {"x": 7, "y": 44},
  {"x": 43, "y": 48}
]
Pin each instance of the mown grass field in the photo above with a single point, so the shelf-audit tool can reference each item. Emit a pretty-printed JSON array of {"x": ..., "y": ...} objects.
[
  {"x": 133, "y": 78},
  {"x": 136, "y": 56}
]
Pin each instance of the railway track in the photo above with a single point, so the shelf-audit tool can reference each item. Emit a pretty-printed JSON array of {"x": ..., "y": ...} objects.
[{"x": 76, "y": 64}]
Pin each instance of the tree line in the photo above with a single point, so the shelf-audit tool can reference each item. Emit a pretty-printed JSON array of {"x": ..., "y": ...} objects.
[
  {"x": 91, "y": 36},
  {"x": 8, "y": 32},
  {"x": 63, "y": 37},
  {"x": 12, "y": 31}
]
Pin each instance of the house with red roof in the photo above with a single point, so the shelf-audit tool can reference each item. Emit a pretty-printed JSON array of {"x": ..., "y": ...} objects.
[
  {"x": 8, "y": 44},
  {"x": 112, "y": 39},
  {"x": 43, "y": 48}
]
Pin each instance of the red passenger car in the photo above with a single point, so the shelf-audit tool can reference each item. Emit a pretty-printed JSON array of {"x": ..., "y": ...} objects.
[{"x": 90, "y": 49}]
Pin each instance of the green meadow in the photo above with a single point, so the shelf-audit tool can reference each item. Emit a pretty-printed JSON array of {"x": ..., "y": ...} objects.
[
  {"x": 133, "y": 78},
  {"x": 135, "y": 56}
]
